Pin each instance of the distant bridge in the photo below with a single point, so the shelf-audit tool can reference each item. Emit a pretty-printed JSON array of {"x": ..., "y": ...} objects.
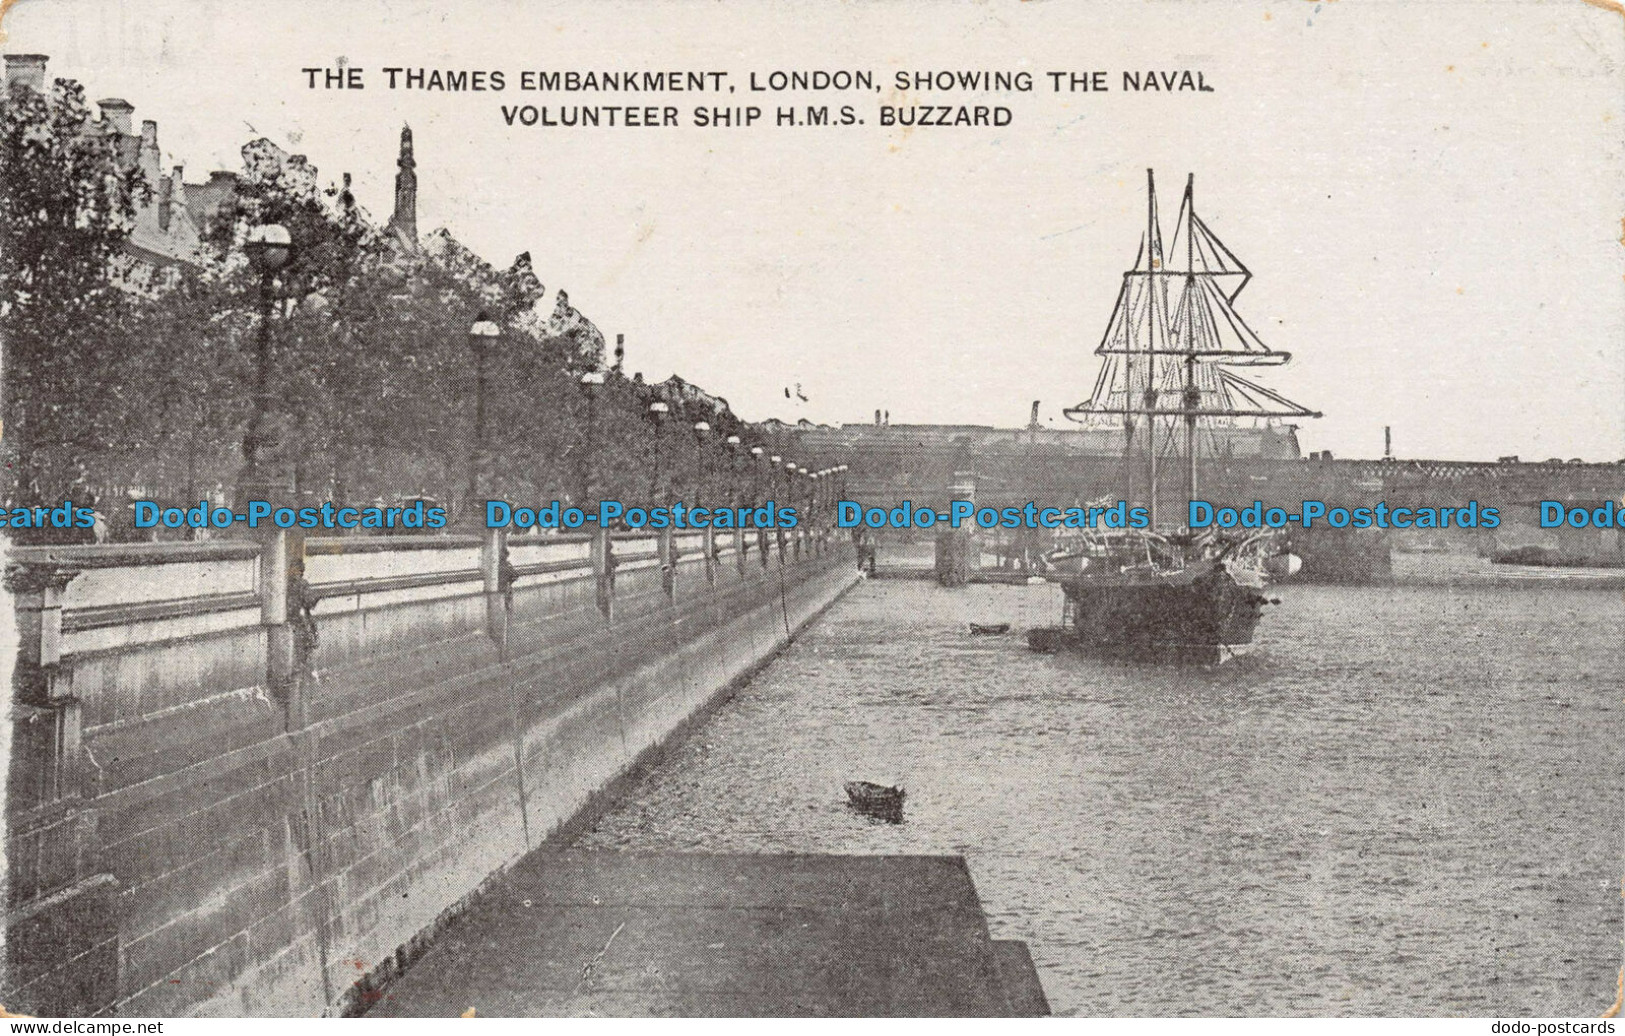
[{"x": 889, "y": 464}]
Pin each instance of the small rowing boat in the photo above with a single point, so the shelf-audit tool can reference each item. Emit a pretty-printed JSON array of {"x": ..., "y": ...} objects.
[{"x": 876, "y": 800}]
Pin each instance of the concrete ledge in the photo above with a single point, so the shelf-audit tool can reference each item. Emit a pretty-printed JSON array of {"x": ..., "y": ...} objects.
[
  {"x": 570, "y": 934},
  {"x": 1020, "y": 977}
]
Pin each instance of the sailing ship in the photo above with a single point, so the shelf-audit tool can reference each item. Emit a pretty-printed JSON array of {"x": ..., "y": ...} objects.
[{"x": 1167, "y": 376}]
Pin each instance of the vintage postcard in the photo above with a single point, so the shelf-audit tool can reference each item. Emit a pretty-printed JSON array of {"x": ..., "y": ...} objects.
[{"x": 838, "y": 508}]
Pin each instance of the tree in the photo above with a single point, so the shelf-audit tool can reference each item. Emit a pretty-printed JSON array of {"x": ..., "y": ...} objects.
[
  {"x": 372, "y": 375},
  {"x": 66, "y": 206}
]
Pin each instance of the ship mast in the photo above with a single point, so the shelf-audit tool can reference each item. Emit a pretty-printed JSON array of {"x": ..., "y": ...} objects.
[
  {"x": 1128, "y": 420},
  {"x": 1154, "y": 322},
  {"x": 1204, "y": 335},
  {"x": 1192, "y": 397}
]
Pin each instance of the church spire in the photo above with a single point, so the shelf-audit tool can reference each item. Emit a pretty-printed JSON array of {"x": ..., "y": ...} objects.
[{"x": 404, "y": 223}]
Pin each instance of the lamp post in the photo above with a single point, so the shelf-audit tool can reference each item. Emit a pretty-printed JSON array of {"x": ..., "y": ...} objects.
[
  {"x": 702, "y": 429},
  {"x": 789, "y": 499},
  {"x": 657, "y": 413},
  {"x": 268, "y": 476},
  {"x": 734, "y": 449},
  {"x": 480, "y": 335},
  {"x": 264, "y": 475},
  {"x": 590, "y": 383},
  {"x": 757, "y": 457}
]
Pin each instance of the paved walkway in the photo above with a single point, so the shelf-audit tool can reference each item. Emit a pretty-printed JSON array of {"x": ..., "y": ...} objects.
[{"x": 601, "y": 933}]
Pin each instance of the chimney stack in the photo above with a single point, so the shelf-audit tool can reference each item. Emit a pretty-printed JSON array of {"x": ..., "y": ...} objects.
[
  {"x": 151, "y": 160},
  {"x": 166, "y": 201},
  {"x": 116, "y": 111},
  {"x": 27, "y": 69},
  {"x": 1387, "y": 442},
  {"x": 177, "y": 195}
]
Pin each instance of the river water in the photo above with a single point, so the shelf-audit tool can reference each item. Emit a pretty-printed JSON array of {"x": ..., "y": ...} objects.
[{"x": 1410, "y": 800}]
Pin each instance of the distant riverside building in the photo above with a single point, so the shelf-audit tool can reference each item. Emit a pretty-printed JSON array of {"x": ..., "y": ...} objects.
[
  {"x": 173, "y": 217},
  {"x": 1240, "y": 443}
]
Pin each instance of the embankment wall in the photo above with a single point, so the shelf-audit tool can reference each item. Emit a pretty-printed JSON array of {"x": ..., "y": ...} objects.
[{"x": 253, "y": 779}]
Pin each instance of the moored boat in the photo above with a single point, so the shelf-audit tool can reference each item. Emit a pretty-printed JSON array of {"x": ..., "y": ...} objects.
[{"x": 876, "y": 800}]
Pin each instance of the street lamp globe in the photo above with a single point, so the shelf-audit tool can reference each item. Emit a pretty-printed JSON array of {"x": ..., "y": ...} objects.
[
  {"x": 484, "y": 327},
  {"x": 269, "y": 246}
]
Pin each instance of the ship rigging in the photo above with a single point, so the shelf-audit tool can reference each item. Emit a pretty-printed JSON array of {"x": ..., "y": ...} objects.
[
  {"x": 1167, "y": 362},
  {"x": 1170, "y": 346}
]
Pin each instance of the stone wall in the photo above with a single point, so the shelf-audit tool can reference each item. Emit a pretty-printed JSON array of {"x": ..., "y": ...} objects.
[{"x": 218, "y": 806}]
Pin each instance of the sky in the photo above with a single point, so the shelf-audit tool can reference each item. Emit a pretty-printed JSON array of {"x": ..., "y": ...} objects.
[{"x": 1429, "y": 194}]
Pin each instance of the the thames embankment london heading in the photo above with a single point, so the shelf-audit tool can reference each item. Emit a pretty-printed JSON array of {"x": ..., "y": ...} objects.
[{"x": 635, "y": 98}]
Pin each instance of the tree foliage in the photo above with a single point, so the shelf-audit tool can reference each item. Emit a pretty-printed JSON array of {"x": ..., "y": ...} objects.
[
  {"x": 66, "y": 206},
  {"x": 374, "y": 375}
]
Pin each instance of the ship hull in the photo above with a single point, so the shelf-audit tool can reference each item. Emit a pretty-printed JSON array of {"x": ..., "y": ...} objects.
[{"x": 1182, "y": 618}]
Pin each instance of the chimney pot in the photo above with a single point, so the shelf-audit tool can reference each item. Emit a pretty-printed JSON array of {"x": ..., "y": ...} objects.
[{"x": 27, "y": 69}]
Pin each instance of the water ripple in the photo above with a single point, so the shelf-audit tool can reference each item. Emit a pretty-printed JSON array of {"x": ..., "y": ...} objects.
[{"x": 1407, "y": 802}]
